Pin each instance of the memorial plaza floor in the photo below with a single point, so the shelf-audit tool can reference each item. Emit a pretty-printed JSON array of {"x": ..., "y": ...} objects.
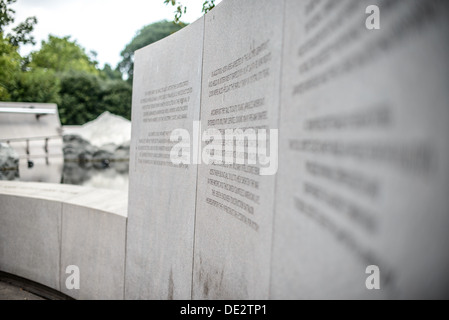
[
  {"x": 17, "y": 288},
  {"x": 13, "y": 292}
]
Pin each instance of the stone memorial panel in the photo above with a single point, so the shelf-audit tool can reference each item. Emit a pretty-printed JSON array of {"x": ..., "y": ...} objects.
[
  {"x": 166, "y": 97},
  {"x": 235, "y": 201},
  {"x": 363, "y": 176}
]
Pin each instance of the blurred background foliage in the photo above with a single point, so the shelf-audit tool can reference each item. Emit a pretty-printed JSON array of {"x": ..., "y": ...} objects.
[
  {"x": 62, "y": 72},
  {"x": 145, "y": 36}
]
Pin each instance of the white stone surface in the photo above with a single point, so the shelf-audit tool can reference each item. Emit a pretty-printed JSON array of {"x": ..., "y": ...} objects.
[
  {"x": 46, "y": 227},
  {"x": 340, "y": 210},
  {"x": 242, "y": 57},
  {"x": 162, "y": 197},
  {"x": 94, "y": 241},
  {"x": 106, "y": 128},
  {"x": 99, "y": 199},
  {"x": 362, "y": 180},
  {"x": 30, "y": 234}
]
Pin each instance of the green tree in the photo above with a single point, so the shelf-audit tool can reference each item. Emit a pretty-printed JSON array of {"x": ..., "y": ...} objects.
[
  {"x": 116, "y": 98},
  {"x": 37, "y": 85},
  {"x": 112, "y": 74},
  {"x": 85, "y": 91},
  {"x": 182, "y": 9},
  {"x": 6, "y": 14},
  {"x": 145, "y": 36},
  {"x": 22, "y": 33},
  {"x": 60, "y": 72},
  {"x": 80, "y": 95},
  {"x": 62, "y": 55},
  {"x": 10, "y": 62},
  {"x": 84, "y": 96}
]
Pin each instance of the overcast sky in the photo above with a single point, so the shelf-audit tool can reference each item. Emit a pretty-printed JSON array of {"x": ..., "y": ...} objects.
[{"x": 104, "y": 26}]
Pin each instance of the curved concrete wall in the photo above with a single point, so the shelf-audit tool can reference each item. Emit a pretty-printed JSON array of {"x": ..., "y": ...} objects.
[
  {"x": 46, "y": 227},
  {"x": 362, "y": 180}
]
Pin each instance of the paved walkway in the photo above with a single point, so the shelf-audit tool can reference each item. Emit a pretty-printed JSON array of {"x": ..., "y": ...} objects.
[{"x": 12, "y": 292}]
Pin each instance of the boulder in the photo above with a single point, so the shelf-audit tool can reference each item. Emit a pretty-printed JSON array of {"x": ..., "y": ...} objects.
[
  {"x": 77, "y": 149},
  {"x": 9, "y": 163}
]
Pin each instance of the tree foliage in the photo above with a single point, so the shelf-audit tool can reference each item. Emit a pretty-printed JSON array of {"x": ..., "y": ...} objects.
[
  {"x": 145, "y": 36},
  {"x": 181, "y": 9},
  {"x": 16, "y": 84},
  {"x": 11, "y": 62},
  {"x": 60, "y": 72},
  {"x": 6, "y": 14},
  {"x": 22, "y": 33},
  {"x": 62, "y": 55},
  {"x": 85, "y": 96},
  {"x": 79, "y": 94},
  {"x": 84, "y": 90},
  {"x": 109, "y": 73},
  {"x": 116, "y": 98},
  {"x": 37, "y": 85},
  {"x": 63, "y": 72}
]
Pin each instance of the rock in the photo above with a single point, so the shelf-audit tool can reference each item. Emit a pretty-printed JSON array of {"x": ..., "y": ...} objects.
[
  {"x": 77, "y": 149},
  {"x": 122, "y": 152},
  {"x": 101, "y": 143},
  {"x": 75, "y": 173},
  {"x": 125, "y": 146},
  {"x": 102, "y": 159},
  {"x": 110, "y": 147},
  {"x": 9, "y": 163},
  {"x": 120, "y": 159},
  {"x": 107, "y": 128}
]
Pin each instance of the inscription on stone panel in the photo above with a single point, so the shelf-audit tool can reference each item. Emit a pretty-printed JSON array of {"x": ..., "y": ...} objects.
[
  {"x": 362, "y": 149},
  {"x": 241, "y": 74},
  {"x": 362, "y": 117},
  {"x": 245, "y": 71},
  {"x": 162, "y": 105},
  {"x": 162, "y": 194}
]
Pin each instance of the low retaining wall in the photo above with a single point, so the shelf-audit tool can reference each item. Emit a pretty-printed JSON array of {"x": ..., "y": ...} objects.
[
  {"x": 44, "y": 228},
  {"x": 357, "y": 204}
]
